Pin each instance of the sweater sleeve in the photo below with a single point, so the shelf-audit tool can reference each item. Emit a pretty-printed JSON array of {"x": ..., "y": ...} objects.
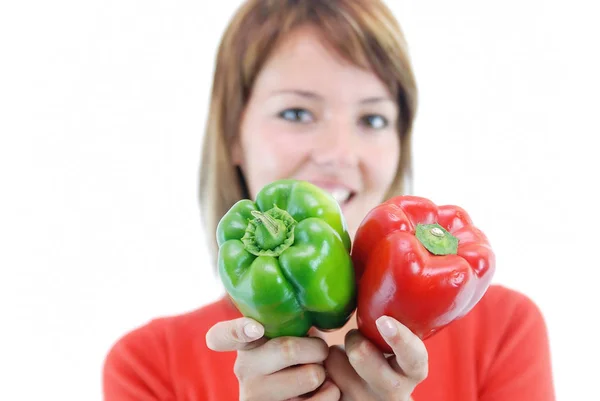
[
  {"x": 521, "y": 367},
  {"x": 136, "y": 367}
]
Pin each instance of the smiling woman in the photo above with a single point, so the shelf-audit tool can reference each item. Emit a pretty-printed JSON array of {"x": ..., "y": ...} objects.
[
  {"x": 294, "y": 80},
  {"x": 319, "y": 91},
  {"x": 304, "y": 121}
]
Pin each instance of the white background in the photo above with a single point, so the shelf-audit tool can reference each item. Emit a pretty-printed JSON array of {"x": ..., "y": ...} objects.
[{"x": 102, "y": 106}]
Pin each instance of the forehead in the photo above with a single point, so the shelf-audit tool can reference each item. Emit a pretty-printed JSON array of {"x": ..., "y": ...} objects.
[{"x": 305, "y": 58}]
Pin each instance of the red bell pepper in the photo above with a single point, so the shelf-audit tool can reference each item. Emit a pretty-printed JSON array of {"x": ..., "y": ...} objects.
[{"x": 424, "y": 265}]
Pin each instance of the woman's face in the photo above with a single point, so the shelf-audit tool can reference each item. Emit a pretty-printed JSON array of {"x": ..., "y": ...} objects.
[{"x": 314, "y": 117}]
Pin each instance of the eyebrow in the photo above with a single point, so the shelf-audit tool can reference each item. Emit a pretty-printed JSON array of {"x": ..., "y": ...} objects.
[
  {"x": 376, "y": 99},
  {"x": 313, "y": 95},
  {"x": 307, "y": 94}
]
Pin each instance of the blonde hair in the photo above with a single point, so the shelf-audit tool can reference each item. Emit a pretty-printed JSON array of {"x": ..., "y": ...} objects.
[{"x": 362, "y": 31}]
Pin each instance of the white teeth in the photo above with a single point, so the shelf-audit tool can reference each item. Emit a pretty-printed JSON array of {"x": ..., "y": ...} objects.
[{"x": 340, "y": 195}]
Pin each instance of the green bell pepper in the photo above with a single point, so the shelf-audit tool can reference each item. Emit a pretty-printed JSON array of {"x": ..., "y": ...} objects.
[{"x": 284, "y": 260}]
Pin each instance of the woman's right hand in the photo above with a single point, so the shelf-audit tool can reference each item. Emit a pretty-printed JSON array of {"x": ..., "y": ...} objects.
[{"x": 276, "y": 369}]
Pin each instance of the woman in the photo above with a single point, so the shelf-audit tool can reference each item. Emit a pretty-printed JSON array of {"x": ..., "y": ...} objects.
[{"x": 322, "y": 91}]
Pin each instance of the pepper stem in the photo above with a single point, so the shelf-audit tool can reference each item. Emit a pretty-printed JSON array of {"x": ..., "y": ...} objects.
[
  {"x": 436, "y": 239},
  {"x": 268, "y": 222},
  {"x": 269, "y": 233}
]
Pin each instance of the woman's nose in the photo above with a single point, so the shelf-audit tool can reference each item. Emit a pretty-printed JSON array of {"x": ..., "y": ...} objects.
[{"x": 336, "y": 145}]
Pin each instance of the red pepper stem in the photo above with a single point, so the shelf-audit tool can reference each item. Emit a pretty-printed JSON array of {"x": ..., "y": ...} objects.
[{"x": 436, "y": 239}]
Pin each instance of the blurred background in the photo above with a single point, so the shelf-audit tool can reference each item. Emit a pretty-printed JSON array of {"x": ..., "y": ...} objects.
[{"x": 102, "y": 106}]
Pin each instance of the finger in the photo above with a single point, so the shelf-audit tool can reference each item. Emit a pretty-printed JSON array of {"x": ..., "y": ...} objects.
[
  {"x": 372, "y": 366},
  {"x": 411, "y": 353},
  {"x": 237, "y": 334},
  {"x": 327, "y": 392},
  {"x": 285, "y": 384},
  {"x": 280, "y": 353},
  {"x": 343, "y": 374}
]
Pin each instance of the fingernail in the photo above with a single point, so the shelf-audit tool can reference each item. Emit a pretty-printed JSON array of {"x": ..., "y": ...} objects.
[
  {"x": 386, "y": 327},
  {"x": 252, "y": 330}
]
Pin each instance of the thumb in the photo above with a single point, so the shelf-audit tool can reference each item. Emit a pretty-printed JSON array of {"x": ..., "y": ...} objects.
[{"x": 238, "y": 334}]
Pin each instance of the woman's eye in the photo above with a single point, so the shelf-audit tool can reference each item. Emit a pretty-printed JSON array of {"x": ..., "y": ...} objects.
[
  {"x": 296, "y": 115},
  {"x": 375, "y": 121}
]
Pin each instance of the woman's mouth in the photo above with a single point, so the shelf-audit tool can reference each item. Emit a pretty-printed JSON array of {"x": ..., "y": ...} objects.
[
  {"x": 340, "y": 192},
  {"x": 341, "y": 195}
]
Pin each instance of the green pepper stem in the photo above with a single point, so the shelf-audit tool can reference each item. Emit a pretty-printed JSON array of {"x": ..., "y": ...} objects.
[
  {"x": 268, "y": 222},
  {"x": 269, "y": 233}
]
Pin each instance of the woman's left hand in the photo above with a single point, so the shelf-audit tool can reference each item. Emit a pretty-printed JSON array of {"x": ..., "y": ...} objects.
[{"x": 362, "y": 372}]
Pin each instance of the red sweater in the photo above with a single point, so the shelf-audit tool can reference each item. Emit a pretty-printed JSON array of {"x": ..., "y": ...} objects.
[{"x": 498, "y": 352}]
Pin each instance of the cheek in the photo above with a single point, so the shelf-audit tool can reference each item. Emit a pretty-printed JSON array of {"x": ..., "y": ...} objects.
[
  {"x": 269, "y": 156},
  {"x": 381, "y": 165}
]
